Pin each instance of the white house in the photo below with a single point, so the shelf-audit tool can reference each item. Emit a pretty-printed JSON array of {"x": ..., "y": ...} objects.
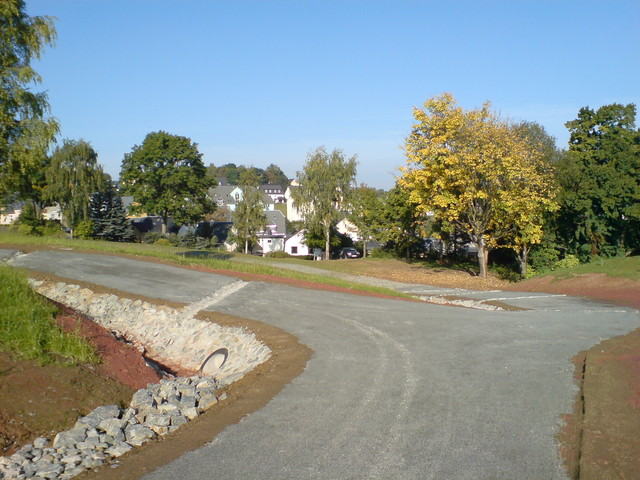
[
  {"x": 345, "y": 227},
  {"x": 293, "y": 214},
  {"x": 230, "y": 195},
  {"x": 294, "y": 245},
  {"x": 274, "y": 191},
  {"x": 53, "y": 212},
  {"x": 10, "y": 214},
  {"x": 271, "y": 239}
]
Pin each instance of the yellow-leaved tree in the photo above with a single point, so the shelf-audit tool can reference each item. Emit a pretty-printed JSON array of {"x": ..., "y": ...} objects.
[{"x": 475, "y": 172}]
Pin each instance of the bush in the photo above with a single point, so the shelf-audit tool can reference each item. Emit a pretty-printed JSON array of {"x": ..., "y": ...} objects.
[
  {"x": 84, "y": 230},
  {"x": 152, "y": 237},
  {"x": 278, "y": 254},
  {"x": 26, "y": 229},
  {"x": 543, "y": 258},
  {"x": 531, "y": 272},
  {"x": 163, "y": 241},
  {"x": 52, "y": 228},
  {"x": 569, "y": 261},
  {"x": 173, "y": 238},
  {"x": 381, "y": 253},
  {"x": 188, "y": 240},
  {"x": 507, "y": 273}
]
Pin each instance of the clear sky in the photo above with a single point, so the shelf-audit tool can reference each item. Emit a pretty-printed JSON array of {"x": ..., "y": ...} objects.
[{"x": 260, "y": 82}]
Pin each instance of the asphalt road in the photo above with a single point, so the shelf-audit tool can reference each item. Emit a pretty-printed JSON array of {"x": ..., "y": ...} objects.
[{"x": 395, "y": 389}]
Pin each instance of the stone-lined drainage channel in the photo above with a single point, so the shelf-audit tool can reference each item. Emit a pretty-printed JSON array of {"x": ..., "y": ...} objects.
[{"x": 168, "y": 337}]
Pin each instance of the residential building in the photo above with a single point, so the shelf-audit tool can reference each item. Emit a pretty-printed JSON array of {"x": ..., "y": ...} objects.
[{"x": 272, "y": 238}]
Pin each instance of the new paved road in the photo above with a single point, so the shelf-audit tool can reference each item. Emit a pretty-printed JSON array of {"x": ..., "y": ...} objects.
[{"x": 395, "y": 389}]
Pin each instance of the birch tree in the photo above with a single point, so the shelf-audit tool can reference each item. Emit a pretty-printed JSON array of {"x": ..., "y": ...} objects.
[
  {"x": 325, "y": 187},
  {"x": 249, "y": 217}
]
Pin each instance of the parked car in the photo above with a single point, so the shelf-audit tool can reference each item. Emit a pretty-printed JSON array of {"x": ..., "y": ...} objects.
[{"x": 349, "y": 253}]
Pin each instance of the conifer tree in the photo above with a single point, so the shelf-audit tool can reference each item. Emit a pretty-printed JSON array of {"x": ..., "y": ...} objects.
[{"x": 109, "y": 218}]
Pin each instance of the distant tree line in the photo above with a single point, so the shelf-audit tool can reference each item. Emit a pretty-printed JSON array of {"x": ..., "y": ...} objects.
[{"x": 232, "y": 173}]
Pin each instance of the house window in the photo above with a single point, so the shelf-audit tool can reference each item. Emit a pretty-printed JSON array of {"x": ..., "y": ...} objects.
[{"x": 294, "y": 250}]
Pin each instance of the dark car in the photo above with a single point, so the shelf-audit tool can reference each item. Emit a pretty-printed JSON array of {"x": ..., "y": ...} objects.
[{"x": 349, "y": 253}]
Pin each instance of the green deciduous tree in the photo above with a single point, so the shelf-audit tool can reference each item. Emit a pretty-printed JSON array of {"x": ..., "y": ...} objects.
[
  {"x": 166, "y": 177},
  {"x": 325, "y": 189},
  {"x": 72, "y": 176},
  {"x": 249, "y": 217},
  {"x": 600, "y": 181},
  {"x": 471, "y": 170},
  {"x": 22, "y": 175},
  {"x": 277, "y": 176},
  {"x": 109, "y": 217},
  {"x": 366, "y": 214},
  {"x": 25, "y": 133},
  {"x": 402, "y": 222}
]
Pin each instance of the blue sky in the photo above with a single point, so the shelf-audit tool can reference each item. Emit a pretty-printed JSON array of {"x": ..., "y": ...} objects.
[{"x": 260, "y": 82}]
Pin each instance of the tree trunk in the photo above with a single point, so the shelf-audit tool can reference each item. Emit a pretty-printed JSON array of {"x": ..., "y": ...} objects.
[
  {"x": 327, "y": 244},
  {"x": 364, "y": 248},
  {"x": 522, "y": 259},
  {"x": 165, "y": 219},
  {"x": 483, "y": 258},
  {"x": 246, "y": 245}
]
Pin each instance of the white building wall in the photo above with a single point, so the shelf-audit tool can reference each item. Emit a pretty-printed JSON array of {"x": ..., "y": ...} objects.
[{"x": 295, "y": 246}]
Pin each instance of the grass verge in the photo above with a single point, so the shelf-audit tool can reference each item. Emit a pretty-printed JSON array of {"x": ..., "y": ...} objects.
[
  {"x": 618, "y": 267},
  {"x": 214, "y": 260},
  {"x": 28, "y": 328}
]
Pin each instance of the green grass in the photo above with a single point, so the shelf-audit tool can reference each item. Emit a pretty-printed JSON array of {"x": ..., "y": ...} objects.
[
  {"x": 28, "y": 328},
  {"x": 216, "y": 260},
  {"x": 622, "y": 267}
]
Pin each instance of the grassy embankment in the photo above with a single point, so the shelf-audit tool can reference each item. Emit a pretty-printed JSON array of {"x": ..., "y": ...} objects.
[
  {"x": 619, "y": 267},
  {"x": 28, "y": 328},
  {"x": 214, "y": 260}
]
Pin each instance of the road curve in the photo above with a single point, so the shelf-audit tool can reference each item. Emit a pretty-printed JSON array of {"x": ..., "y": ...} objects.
[{"x": 395, "y": 390}]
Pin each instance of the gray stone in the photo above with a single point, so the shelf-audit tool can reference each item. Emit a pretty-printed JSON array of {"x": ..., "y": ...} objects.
[
  {"x": 187, "y": 401},
  {"x": 158, "y": 420},
  {"x": 160, "y": 430},
  {"x": 142, "y": 399},
  {"x": 72, "y": 459},
  {"x": 178, "y": 420},
  {"x": 129, "y": 416},
  {"x": 168, "y": 408},
  {"x": 207, "y": 401},
  {"x": 69, "y": 438},
  {"x": 51, "y": 471},
  {"x": 138, "y": 434},
  {"x": 40, "y": 442},
  {"x": 98, "y": 415},
  {"x": 111, "y": 424},
  {"x": 190, "y": 413},
  {"x": 118, "y": 449},
  {"x": 89, "y": 462}
]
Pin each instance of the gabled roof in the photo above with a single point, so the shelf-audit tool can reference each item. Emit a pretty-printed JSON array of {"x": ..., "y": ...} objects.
[
  {"x": 276, "y": 224},
  {"x": 223, "y": 193},
  {"x": 272, "y": 189}
]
